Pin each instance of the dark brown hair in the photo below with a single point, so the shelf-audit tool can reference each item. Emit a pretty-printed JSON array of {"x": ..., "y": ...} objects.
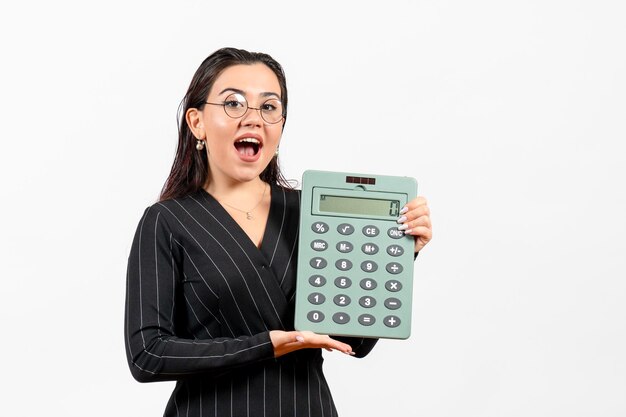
[{"x": 191, "y": 168}]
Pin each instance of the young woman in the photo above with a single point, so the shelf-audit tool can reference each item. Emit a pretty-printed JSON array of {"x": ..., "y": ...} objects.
[{"x": 211, "y": 273}]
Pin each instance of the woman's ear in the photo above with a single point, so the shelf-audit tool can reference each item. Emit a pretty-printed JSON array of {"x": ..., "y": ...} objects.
[{"x": 194, "y": 121}]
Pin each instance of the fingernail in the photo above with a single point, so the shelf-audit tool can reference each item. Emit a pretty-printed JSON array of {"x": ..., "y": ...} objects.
[
  {"x": 349, "y": 353},
  {"x": 300, "y": 338},
  {"x": 404, "y": 210},
  {"x": 407, "y": 232},
  {"x": 401, "y": 219},
  {"x": 403, "y": 227}
]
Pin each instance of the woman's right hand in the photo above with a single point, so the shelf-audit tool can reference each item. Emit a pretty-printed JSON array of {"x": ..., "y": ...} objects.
[{"x": 286, "y": 342}]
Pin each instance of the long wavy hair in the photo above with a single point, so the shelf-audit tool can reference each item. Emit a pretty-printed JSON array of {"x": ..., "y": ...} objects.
[{"x": 190, "y": 169}]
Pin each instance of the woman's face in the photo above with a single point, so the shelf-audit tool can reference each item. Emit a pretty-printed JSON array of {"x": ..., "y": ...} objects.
[{"x": 239, "y": 149}]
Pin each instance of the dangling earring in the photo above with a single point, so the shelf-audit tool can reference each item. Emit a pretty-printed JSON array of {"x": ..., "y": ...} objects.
[
  {"x": 276, "y": 153},
  {"x": 199, "y": 144}
]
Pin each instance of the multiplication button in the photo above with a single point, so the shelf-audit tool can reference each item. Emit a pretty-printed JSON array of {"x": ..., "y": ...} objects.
[
  {"x": 391, "y": 321},
  {"x": 367, "y": 319},
  {"x": 315, "y": 316},
  {"x": 341, "y": 318},
  {"x": 393, "y": 285}
]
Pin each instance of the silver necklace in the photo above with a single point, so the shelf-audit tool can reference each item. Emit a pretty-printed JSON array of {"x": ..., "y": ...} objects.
[{"x": 248, "y": 212}]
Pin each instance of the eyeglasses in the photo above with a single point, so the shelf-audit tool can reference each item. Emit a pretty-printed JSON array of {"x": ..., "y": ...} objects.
[{"x": 236, "y": 106}]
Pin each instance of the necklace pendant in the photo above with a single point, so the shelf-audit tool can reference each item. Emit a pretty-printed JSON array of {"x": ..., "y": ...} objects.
[{"x": 248, "y": 215}]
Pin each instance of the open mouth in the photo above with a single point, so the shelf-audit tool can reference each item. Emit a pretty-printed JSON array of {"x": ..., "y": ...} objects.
[{"x": 248, "y": 146}]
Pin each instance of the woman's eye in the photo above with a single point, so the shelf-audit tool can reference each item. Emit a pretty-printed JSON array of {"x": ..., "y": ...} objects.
[
  {"x": 233, "y": 103},
  {"x": 269, "y": 107}
]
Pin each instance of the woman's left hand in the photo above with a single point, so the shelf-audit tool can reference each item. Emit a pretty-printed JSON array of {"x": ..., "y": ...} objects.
[{"x": 415, "y": 221}]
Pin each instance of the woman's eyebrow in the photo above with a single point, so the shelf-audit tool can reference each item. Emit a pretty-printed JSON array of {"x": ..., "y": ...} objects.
[{"x": 238, "y": 91}]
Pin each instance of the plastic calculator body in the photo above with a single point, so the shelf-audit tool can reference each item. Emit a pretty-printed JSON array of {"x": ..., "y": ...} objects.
[{"x": 355, "y": 268}]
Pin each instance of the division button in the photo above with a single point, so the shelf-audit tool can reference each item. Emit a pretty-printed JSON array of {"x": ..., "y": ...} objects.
[
  {"x": 345, "y": 229},
  {"x": 395, "y": 250},
  {"x": 368, "y": 284},
  {"x": 391, "y": 321},
  {"x": 318, "y": 263},
  {"x": 394, "y": 268},
  {"x": 393, "y": 303},
  {"x": 316, "y": 298},
  {"x": 393, "y": 285},
  {"x": 343, "y": 282},
  {"x": 369, "y": 266},
  {"x": 367, "y": 302},
  {"x": 371, "y": 231},
  {"x": 319, "y": 227},
  {"x": 369, "y": 248},
  {"x": 343, "y": 264},
  {"x": 367, "y": 319},
  {"x": 315, "y": 316},
  {"x": 342, "y": 300},
  {"x": 341, "y": 318},
  {"x": 395, "y": 233},
  {"x": 317, "y": 280},
  {"x": 344, "y": 247},
  {"x": 319, "y": 245}
]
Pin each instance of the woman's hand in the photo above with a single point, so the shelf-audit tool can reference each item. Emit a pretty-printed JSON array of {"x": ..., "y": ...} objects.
[
  {"x": 415, "y": 219},
  {"x": 286, "y": 342}
]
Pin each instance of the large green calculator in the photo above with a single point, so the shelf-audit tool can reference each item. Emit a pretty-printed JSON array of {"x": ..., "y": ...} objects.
[{"x": 355, "y": 267}]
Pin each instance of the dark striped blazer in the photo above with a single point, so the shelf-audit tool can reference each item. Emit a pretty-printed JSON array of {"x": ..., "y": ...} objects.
[{"x": 201, "y": 300}]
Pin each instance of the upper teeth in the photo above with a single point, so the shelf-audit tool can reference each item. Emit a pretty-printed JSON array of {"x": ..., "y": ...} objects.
[{"x": 251, "y": 140}]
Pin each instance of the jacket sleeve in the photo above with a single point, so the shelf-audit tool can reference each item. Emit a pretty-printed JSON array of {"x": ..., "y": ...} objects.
[{"x": 153, "y": 294}]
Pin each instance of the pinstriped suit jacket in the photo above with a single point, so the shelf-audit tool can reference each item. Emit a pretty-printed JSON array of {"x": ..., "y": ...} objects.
[{"x": 201, "y": 300}]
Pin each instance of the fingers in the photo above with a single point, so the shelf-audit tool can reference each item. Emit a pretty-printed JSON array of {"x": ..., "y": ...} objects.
[
  {"x": 415, "y": 221},
  {"x": 286, "y": 342}
]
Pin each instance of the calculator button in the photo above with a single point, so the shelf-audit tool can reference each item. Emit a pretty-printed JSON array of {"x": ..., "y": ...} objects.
[
  {"x": 343, "y": 264},
  {"x": 368, "y": 284},
  {"x": 341, "y": 318},
  {"x": 317, "y": 280},
  {"x": 316, "y": 298},
  {"x": 367, "y": 319},
  {"x": 393, "y": 285},
  {"x": 371, "y": 231},
  {"x": 319, "y": 227},
  {"x": 393, "y": 303},
  {"x": 369, "y": 266},
  {"x": 395, "y": 250},
  {"x": 367, "y": 302},
  {"x": 345, "y": 229},
  {"x": 395, "y": 233},
  {"x": 319, "y": 245},
  {"x": 391, "y": 321},
  {"x": 394, "y": 268},
  {"x": 342, "y": 300},
  {"x": 369, "y": 248},
  {"x": 344, "y": 247},
  {"x": 315, "y": 316},
  {"x": 318, "y": 263},
  {"x": 343, "y": 282}
]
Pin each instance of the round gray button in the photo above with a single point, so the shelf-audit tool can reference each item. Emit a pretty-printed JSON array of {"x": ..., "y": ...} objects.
[
  {"x": 368, "y": 284},
  {"x": 344, "y": 247},
  {"x": 345, "y": 229},
  {"x": 367, "y": 319},
  {"x": 369, "y": 248},
  {"x": 319, "y": 227},
  {"x": 319, "y": 245},
  {"x": 317, "y": 280},
  {"x": 342, "y": 300},
  {"x": 343, "y": 264},
  {"x": 393, "y": 285},
  {"x": 343, "y": 282},
  {"x": 371, "y": 231},
  {"x": 393, "y": 303},
  {"x": 341, "y": 318},
  {"x": 318, "y": 263},
  {"x": 315, "y": 316},
  {"x": 316, "y": 298},
  {"x": 394, "y": 268},
  {"x": 369, "y": 266},
  {"x": 367, "y": 302},
  {"x": 395, "y": 233},
  {"x": 391, "y": 321},
  {"x": 395, "y": 250}
]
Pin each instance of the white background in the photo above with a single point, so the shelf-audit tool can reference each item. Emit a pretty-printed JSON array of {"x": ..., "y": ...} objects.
[{"x": 511, "y": 115}]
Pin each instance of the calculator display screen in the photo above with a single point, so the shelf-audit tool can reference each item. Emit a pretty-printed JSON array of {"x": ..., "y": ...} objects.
[{"x": 358, "y": 205}]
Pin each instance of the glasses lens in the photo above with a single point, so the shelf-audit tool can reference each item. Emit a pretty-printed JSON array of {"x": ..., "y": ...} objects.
[
  {"x": 235, "y": 105},
  {"x": 272, "y": 111}
]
